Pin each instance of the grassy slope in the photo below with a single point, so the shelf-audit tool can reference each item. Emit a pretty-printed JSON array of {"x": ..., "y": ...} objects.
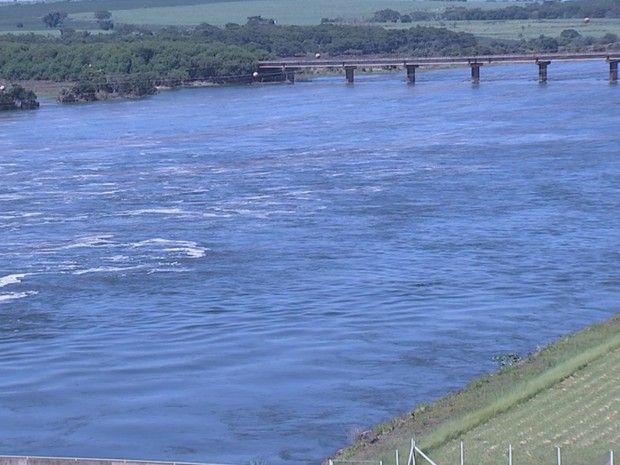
[
  {"x": 566, "y": 394},
  {"x": 580, "y": 414}
]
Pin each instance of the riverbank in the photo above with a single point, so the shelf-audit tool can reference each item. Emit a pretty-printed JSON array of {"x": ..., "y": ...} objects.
[
  {"x": 53, "y": 91},
  {"x": 565, "y": 394}
]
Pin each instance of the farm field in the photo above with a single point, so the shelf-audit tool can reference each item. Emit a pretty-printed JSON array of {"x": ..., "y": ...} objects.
[
  {"x": 217, "y": 12},
  {"x": 527, "y": 29},
  {"x": 567, "y": 395},
  {"x": 300, "y": 12}
]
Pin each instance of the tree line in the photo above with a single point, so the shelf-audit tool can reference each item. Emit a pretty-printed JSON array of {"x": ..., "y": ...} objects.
[
  {"x": 56, "y": 19},
  {"x": 133, "y": 60},
  {"x": 555, "y": 9},
  {"x": 227, "y": 54}
]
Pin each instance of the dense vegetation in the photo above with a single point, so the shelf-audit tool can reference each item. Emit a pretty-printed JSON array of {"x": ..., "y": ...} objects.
[
  {"x": 101, "y": 87},
  {"x": 17, "y": 98},
  {"x": 176, "y": 55},
  {"x": 156, "y": 58},
  {"x": 543, "y": 10},
  {"x": 132, "y": 60}
]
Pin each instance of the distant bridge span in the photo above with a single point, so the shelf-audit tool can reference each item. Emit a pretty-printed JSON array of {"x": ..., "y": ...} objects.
[{"x": 287, "y": 67}]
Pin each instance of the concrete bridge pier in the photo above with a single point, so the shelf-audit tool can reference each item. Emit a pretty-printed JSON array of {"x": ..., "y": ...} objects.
[
  {"x": 349, "y": 72},
  {"x": 613, "y": 71},
  {"x": 475, "y": 72},
  {"x": 289, "y": 74},
  {"x": 271, "y": 74},
  {"x": 542, "y": 71},
  {"x": 411, "y": 73}
]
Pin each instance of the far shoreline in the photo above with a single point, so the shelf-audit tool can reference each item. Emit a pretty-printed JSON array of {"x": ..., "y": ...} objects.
[{"x": 49, "y": 91}]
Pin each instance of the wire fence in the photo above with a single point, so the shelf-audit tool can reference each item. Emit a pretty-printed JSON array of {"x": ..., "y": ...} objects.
[{"x": 417, "y": 456}]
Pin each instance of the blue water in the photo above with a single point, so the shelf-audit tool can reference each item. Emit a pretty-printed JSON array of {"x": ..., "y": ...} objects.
[{"x": 236, "y": 274}]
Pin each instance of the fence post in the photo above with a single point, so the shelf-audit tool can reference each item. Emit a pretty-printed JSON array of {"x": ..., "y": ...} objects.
[
  {"x": 462, "y": 454},
  {"x": 413, "y": 444},
  {"x": 559, "y": 455},
  {"x": 509, "y": 454},
  {"x": 331, "y": 462},
  {"x": 611, "y": 457},
  {"x": 397, "y": 457},
  {"x": 410, "y": 453}
]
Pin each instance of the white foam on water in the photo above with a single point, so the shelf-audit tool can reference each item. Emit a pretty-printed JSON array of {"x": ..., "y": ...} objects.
[
  {"x": 257, "y": 197},
  {"x": 114, "y": 192},
  {"x": 99, "y": 240},
  {"x": 216, "y": 215},
  {"x": 192, "y": 252},
  {"x": 169, "y": 270},
  {"x": 11, "y": 279},
  {"x": 10, "y": 197},
  {"x": 158, "y": 211},
  {"x": 189, "y": 248},
  {"x": 107, "y": 269},
  {"x": 17, "y": 215},
  {"x": 175, "y": 170},
  {"x": 89, "y": 176},
  {"x": 16, "y": 295}
]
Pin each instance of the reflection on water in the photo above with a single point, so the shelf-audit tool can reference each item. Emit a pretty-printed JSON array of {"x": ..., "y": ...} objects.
[{"x": 240, "y": 273}]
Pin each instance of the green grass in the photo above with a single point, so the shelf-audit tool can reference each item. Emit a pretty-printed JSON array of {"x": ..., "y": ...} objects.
[
  {"x": 217, "y": 12},
  {"x": 527, "y": 29},
  {"x": 566, "y": 395},
  {"x": 300, "y": 12},
  {"x": 580, "y": 414},
  {"x": 30, "y": 14}
]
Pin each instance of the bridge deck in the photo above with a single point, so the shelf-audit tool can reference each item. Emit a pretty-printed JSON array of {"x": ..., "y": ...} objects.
[{"x": 429, "y": 61}]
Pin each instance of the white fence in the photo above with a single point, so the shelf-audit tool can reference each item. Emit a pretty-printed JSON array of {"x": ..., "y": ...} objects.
[{"x": 417, "y": 456}]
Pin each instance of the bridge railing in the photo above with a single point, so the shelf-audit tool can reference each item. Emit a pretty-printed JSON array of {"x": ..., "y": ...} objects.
[{"x": 287, "y": 68}]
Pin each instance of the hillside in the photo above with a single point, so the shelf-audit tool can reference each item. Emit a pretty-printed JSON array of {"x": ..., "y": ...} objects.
[{"x": 566, "y": 395}]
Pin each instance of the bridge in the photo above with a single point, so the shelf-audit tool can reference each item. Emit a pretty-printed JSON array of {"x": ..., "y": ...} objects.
[{"x": 286, "y": 68}]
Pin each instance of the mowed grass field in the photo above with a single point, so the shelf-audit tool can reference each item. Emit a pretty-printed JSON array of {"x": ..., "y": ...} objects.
[
  {"x": 566, "y": 395},
  {"x": 216, "y": 12},
  {"x": 30, "y": 13},
  {"x": 300, "y": 12},
  {"x": 581, "y": 415}
]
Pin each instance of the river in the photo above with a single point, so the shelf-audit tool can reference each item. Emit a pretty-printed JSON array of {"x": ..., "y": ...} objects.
[{"x": 243, "y": 274}]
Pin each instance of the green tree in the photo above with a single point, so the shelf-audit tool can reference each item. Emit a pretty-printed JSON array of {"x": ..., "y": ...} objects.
[
  {"x": 101, "y": 15},
  {"x": 54, "y": 18},
  {"x": 17, "y": 98},
  {"x": 386, "y": 16}
]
